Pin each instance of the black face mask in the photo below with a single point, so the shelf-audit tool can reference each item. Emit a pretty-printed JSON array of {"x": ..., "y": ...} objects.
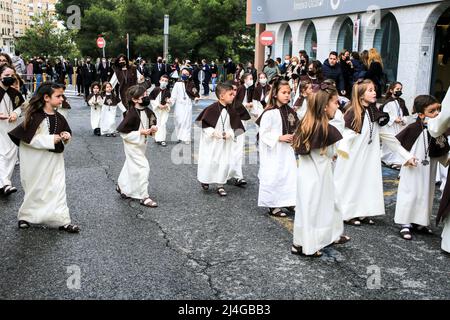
[
  {"x": 122, "y": 64},
  {"x": 8, "y": 81},
  {"x": 311, "y": 73},
  {"x": 159, "y": 61},
  {"x": 145, "y": 101},
  {"x": 398, "y": 94}
]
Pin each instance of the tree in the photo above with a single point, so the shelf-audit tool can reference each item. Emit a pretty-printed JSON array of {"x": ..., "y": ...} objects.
[{"x": 46, "y": 39}]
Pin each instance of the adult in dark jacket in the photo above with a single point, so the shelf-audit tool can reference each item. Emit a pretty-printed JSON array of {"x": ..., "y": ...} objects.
[
  {"x": 359, "y": 69},
  {"x": 347, "y": 71},
  {"x": 105, "y": 70},
  {"x": 158, "y": 70},
  {"x": 207, "y": 77},
  {"x": 89, "y": 75},
  {"x": 375, "y": 71},
  {"x": 332, "y": 70}
]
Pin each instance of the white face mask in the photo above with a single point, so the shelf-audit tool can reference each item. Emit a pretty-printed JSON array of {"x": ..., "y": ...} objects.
[
  {"x": 248, "y": 83},
  {"x": 287, "y": 61},
  {"x": 263, "y": 81},
  {"x": 163, "y": 84}
]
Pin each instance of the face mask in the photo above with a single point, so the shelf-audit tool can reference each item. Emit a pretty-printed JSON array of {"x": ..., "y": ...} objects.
[
  {"x": 145, "y": 101},
  {"x": 212, "y": 63},
  {"x": 263, "y": 81},
  {"x": 88, "y": 62},
  {"x": 159, "y": 61},
  {"x": 311, "y": 73},
  {"x": 249, "y": 83},
  {"x": 287, "y": 61},
  {"x": 8, "y": 81},
  {"x": 398, "y": 94},
  {"x": 184, "y": 77},
  {"x": 122, "y": 64},
  {"x": 163, "y": 84},
  {"x": 104, "y": 61}
]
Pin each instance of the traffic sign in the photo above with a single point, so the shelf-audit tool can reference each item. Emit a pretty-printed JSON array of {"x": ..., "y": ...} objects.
[
  {"x": 267, "y": 38},
  {"x": 101, "y": 43}
]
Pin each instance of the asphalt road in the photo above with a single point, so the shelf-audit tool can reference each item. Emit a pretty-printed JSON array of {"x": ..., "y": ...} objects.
[{"x": 196, "y": 245}]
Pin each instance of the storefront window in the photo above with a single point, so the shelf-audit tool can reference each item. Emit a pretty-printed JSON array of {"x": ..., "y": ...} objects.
[
  {"x": 345, "y": 36},
  {"x": 387, "y": 42},
  {"x": 311, "y": 41}
]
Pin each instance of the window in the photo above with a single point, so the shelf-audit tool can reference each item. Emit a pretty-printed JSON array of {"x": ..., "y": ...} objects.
[
  {"x": 345, "y": 36},
  {"x": 387, "y": 42},
  {"x": 311, "y": 41}
]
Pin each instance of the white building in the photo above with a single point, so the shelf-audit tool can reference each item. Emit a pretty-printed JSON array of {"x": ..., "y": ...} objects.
[{"x": 412, "y": 36}]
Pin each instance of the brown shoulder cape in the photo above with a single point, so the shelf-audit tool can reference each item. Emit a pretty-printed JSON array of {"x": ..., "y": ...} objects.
[
  {"x": 401, "y": 103},
  {"x": 211, "y": 114},
  {"x": 132, "y": 120},
  {"x": 15, "y": 96},
  {"x": 289, "y": 118},
  {"x": 113, "y": 100},
  {"x": 438, "y": 146},
  {"x": 164, "y": 96},
  {"x": 318, "y": 141},
  {"x": 26, "y": 135},
  {"x": 382, "y": 118},
  {"x": 240, "y": 94},
  {"x": 259, "y": 90},
  {"x": 191, "y": 90}
]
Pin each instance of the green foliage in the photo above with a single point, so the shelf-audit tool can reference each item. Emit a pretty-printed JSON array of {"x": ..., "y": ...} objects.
[{"x": 212, "y": 29}]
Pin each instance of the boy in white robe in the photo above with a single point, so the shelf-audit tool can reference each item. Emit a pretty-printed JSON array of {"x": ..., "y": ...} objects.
[
  {"x": 416, "y": 188},
  {"x": 41, "y": 139},
  {"x": 220, "y": 125},
  {"x": 277, "y": 181},
  {"x": 138, "y": 124},
  {"x": 161, "y": 104},
  {"x": 95, "y": 102},
  {"x": 436, "y": 127},
  {"x": 10, "y": 111},
  {"x": 184, "y": 94}
]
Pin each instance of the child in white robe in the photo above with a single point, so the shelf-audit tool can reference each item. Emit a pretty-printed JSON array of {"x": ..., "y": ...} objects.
[
  {"x": 438, "y": 126},
  {"x": 109, "y": 102},
  {"x": 138, "y": 124},
  {"x": 95, "y": 102},
  {"x": 358, "y": 176},
  {"x": 184, "y": 94},
  {"x": 10, "y": 102},
  {"x": 301, "y": 104},
  {"x": 277, "y": 181},
  {"x": 161, "y": 104},
  {"x": 41, "y": 139},
  {"x": 317, "y": 223},
  {"x": 220, "y": 125},
  {"x": 398, "y": 120},
  {"x": 260, "y": 96},
  {"x": 416, "y": 188}
]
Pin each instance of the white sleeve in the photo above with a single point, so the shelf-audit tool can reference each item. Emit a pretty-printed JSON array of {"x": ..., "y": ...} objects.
[
  {"x": 267, "y": 134},
  {"x": 394, "y": 145},
  {"x": 133, "y": 137},
  {"x": 43, "y": 142},
  {"x": 338, "y": 121},
  {"x": 18, "y": 111},
  {"x": 122, "y": 107},
  {"x": 174, "y": 95},
  {"x": 437, "y": 126},
  {"x": 346, "y": 143},
  {"x": 390, "y": 109}
]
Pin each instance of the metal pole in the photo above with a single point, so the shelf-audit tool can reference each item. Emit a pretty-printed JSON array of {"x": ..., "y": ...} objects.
[
  {"x": 104, "y": 51},
  {"x": 166, "y": 37},
  {"x": 128, "y": 46}
]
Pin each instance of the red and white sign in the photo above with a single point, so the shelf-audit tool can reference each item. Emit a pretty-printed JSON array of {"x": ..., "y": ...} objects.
[
  {"x": 267, "y": 38},
  {"x": 101, "y": 43}
]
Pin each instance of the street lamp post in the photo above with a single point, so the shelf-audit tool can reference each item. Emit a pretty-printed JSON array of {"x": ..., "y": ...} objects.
[{"x": 166, "y": 37}]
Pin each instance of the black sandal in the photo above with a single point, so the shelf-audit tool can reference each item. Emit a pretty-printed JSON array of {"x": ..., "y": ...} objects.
[
  {"x": 147, "y": 202},
  {"x": 7, "y": 190},
  {"x": 277, "y": 212},
  {"x": 221, "y": 191},
  {"x": 297, "y": 250},
  {"x": 205, "y": 186},
  {"x": 70, "y": 228},
  {"x": 342, "y": 240},
  {"x": 23, "y": 224},
  {"x": 240, "y": 182},
  {"x": 353, "y": 222},
  {"x": 124, "y": 196},
  {"x": 367, "y": 221},
  {"x": 406, "y": 233},
  {"x": 422, "y": 229}
]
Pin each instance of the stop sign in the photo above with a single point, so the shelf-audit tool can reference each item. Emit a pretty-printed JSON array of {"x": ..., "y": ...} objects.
[
  {"x": 101, "y": 42},
  {"x": 267, "y": 38}
]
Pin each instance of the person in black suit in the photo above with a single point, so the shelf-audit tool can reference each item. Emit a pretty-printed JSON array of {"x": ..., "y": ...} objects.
[
  {"x": 105, "y": 71},
  {"x": 89, "y": 75},
  {"x": 158, "y": 70}
]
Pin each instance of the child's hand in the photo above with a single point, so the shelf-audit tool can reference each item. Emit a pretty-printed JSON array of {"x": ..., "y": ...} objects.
[
  {"x": 196, "y": 100},
  {"x": 57, "y": 138},
  {"x": 288, "y": 138},
  {"x": 153, "y": 129},
  {"x": 145, "y": 132},
  {"x": 13, "y": 117},
  {"x": 65, "y": 136},
  {"x": 412, "y": 162}
]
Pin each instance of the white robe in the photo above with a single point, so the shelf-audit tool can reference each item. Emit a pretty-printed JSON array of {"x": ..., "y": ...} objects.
[
  {"x": 437, "y": 126},
  {"x": 108, "y": 117},
  {"x": 301, "y": 111},
  {"x": 416, "y": 188},
  {"x": 358, "y": 177},
  {"x": 394, "y": 111},
  {"x": 133, "y": 179},
  {"x": 43, "y": 178},
  {"x": 277, "y": 164},
  {"x": 214, "y": 155},
  {"x": 183, "y": 112},
  {"x": 96, "y": 111},
  {"x": 258, "y": 108},
  {"x": 162, "y": 115},
  {"x": 317, "y": 222},
  {"x": 8, "y": 150}
]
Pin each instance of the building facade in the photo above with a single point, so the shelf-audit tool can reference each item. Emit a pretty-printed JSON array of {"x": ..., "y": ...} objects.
[
  {"x": 6, "y": 26},
  {"x": 413, "y": 37}
]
